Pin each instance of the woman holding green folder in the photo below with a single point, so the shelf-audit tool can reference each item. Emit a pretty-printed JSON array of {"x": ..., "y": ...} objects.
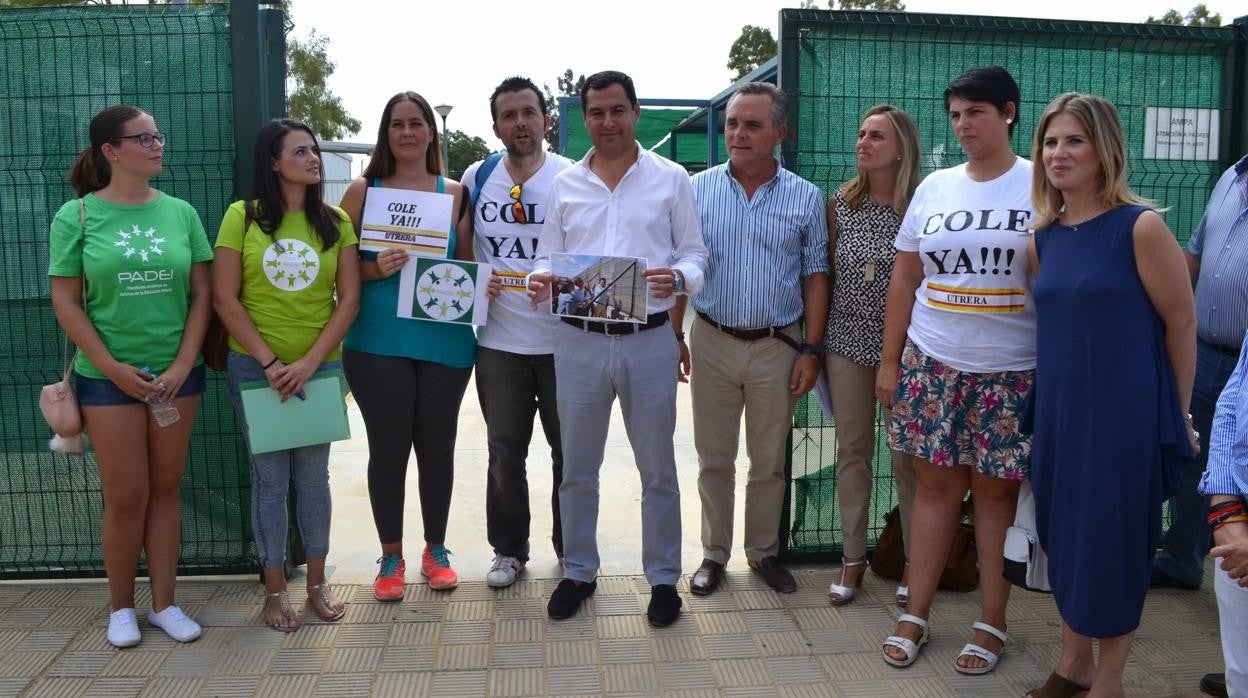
[{"x": 286, "y": 284}]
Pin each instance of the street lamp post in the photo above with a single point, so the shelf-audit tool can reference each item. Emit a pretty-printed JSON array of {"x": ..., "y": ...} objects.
[{"x": 443, "y": 110}]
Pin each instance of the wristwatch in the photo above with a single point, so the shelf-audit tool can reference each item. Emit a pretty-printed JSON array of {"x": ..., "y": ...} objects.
[
  {"x": 815, "y": 350},
  {"x": 678, "y": 283}
]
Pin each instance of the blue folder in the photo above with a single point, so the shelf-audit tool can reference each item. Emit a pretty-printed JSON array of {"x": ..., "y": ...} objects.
[{"x": 273, "y": 425}]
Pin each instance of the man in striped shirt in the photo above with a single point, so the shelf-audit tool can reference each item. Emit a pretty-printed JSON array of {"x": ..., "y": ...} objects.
[
  {"x": 1217, "y": 257},
  {"x": 766, "y": 234}
]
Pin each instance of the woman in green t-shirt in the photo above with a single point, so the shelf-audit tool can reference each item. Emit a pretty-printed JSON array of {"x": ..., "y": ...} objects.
[
  {"x": 139, "y": 323},
  {"x": 287, "y": 287}
]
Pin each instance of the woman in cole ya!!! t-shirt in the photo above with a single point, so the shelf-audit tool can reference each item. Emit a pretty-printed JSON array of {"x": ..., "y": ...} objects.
[
  {"x": 959, "y": 357},
  {"x": 139, "y": 324}
]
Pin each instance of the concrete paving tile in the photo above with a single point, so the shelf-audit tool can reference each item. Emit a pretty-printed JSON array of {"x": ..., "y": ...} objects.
[
  {"x": 615, "y": 627},
  {"x": 922, "y": 687},
  {"x": 983, "y": 685},
  {"x": 831, "y": 641},
  {"x": 258, "y": 637},
  {"x": 853, "y": 667},
  {"x": 679, "y": 649},
  {"x": 17, "y": 617},
  {"x": 749, "y": 692},
  {"x": 807, "y": 690},
  {"x": 406, "y": 634},
  {"x": 625, "y": 650},
  {"x": 193, "y": 593},
  {"x": 52, "y": 687},
  {"x": 519, "y": 630},
  {"x": 722, "y": 601},
  {"x": 135, "y": 662},
  {"x": 730, "y": 646},
  {"x": 729, "y": 623},
  {"x": 819, "y": 617},
  {"x": 10, "y": 688},
  {"x": 571, "y": 653},
  {"x": 371, "y": 613},
  {"x": 769, "y": 620},
  {"x": 220, "y": 614},
  {"x": 12, "y": 595},
  {"x": 459, "y": 683},
  {"x": 524, "y": 589},
  {"x": 49, "y": 596},
  {"x": 807, "y": 597},
  {"x": 782, "y": 644},
  {"x": 871, "y": 637},
  {"x": 740, "y": 672},
  {"x": 466, "y": 632},
  {"x": 212, "y": 638},
  {"x": 402, "y": 685},
  {"x": 11, "y": 639},
  {"x": 567, "y": 680},
  {"x": 855, "y": 614},
  {"x": 579, "y": 627},
  {"x": 470, "y": 610},
  {"x": 26, "y": 664},
  {"x": 872, "y": 689},
  {"x": 116, "y": 687},
  {"x": 310, "y": 636},
  {"x": 334, "y": 685},
  {"x": 190, "y": 663},
  {"x": 81, "y": 664},
  {"x": 518, "y": 655},
  {"x": 421, "y": 612},
  {"x": 239, "y": 595},
  {"x": 460, "y": 657},
  {"x": 230, "y": 686},
  {"x": 630, "y": 678},
  {"x": 310, "y": 661},
  {"x": 287, "y": 685},
  {"x": 50, "y": 640},
  {"x": 408, "y": 658},
  {"x": 362, "y": 635},
  {"x": 253, "y": 662},
  {"x": 608, "y": 586},
  {"x": 751, "y": 599},
  {"x": 617, "y": 604},
  {"x": 692, "y": 693},
  {"x": 795, "y": 669},
  {"x": 354, "y": 660},
  {"x": 685, "y": 676},
  {"x": 517, "y": 682},
  {"x": 519, "y": 609},
  {"x": 161, "y": 686}
]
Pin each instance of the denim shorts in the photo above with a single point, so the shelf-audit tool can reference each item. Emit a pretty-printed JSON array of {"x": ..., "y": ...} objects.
[
  {"x": 101, "y": 392},
  {"x": 950, "y": 417}
]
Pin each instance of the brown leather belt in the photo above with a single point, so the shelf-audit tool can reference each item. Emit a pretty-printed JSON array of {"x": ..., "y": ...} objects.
[{"x": 754, "y": 334}]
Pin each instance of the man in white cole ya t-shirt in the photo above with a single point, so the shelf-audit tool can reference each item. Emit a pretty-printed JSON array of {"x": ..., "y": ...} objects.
[{"x": 515, "y": 348}]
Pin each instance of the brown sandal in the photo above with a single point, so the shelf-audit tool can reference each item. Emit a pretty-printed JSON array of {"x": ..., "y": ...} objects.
[
  {"x": 288, "y": 613},
  {"x": 1058, "y": 686},
  {"x": 322, "y": 596}
]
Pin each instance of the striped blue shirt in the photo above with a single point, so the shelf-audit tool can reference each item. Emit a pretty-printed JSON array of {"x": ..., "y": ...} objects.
[
  {"x": 1227, "y": 471},
  {"x": 759, "y": 247},
  {"x": 1220, "y": 242}
]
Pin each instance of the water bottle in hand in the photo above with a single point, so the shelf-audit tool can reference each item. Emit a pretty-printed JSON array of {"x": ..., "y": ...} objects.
[{"x": 162, "y": 407}]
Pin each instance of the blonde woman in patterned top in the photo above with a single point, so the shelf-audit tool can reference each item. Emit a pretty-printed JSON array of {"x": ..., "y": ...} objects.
[{"x": 863, "y": 218}]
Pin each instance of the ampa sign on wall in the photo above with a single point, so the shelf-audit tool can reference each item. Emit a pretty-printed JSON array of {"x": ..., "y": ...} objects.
[{"x": 1176, "y": 133}]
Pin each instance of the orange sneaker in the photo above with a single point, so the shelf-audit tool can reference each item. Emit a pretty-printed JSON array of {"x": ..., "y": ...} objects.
[
  {"x": 388, "y": 586},
  {"x": 435, "y": 565}
]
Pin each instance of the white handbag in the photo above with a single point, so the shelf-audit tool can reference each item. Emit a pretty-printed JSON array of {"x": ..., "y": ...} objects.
[{"x": 1026, "y": 565}]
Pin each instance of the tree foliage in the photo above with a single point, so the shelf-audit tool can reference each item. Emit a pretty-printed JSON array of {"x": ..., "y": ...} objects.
[
  {"x": 753, "y": 48},
  {"x": 461, "y": 151},
  {"x": 1198, "y": 16},
  {"x": 569, "y": 86},
  {"x": 308, "y": 98}
]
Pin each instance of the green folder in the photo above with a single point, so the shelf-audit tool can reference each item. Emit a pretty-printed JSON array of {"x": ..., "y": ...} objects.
[{"x": 273, "y": 425}]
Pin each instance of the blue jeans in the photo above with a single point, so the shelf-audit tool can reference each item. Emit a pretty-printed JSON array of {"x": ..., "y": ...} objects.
[
  {"x": 271, "y": 475},
  {"x": 1185, "y": 544},
  {"x": 512, "y": 388}
]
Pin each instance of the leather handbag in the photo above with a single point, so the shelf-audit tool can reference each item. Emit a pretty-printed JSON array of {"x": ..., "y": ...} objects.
[
  {"x": 961, "y": 572},
  {"x": 57, "y": 401}
]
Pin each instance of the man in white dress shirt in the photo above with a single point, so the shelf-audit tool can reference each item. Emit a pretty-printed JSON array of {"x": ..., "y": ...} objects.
[{"x": 620, "y": 200}]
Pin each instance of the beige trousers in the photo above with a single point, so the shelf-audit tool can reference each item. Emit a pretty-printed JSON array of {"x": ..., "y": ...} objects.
[
  {"x": 730, "y": 375},
  {"x": 853, "y": 402}
]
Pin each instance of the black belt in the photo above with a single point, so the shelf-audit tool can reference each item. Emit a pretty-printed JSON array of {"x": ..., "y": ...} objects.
[
  {"x": 1232, "y": 352},
  {"x": 615, "y": 329},
  {"x": 751, "y": 335}
]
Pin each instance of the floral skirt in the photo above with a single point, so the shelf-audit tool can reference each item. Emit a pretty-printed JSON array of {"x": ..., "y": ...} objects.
[{"x": 950, "y": 417}]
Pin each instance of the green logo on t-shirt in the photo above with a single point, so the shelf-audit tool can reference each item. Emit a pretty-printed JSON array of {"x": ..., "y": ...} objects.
[
  {"x": 290, "y": 265},
  {"x": 144, "y": 243}
]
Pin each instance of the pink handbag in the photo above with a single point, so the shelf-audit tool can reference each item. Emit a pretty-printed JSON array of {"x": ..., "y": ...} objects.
[{"x": 57, "y": 401}]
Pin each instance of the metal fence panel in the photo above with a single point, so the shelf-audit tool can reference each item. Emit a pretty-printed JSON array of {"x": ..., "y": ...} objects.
[
  {"x": 835, "y": 65},
  {"x": 60, "y": 67}
]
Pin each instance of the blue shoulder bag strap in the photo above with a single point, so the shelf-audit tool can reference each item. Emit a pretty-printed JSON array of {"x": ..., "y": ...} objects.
[{"x": 484, "y": 172}]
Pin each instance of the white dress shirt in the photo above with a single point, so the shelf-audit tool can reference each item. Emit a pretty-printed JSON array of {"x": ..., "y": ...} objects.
[{"x": 650, "y": 214}]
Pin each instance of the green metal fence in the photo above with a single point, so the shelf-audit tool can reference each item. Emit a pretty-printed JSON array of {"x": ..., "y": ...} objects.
[
  {"x": 835, "y": 65},
  {"x": 60, "y": 67}
]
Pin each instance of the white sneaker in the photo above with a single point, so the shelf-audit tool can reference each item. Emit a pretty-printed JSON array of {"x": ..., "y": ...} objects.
[
  {"x": 503, "y": 572},
  {"x": 175, "y": 623},
  {"x": 123, "y": 628}
]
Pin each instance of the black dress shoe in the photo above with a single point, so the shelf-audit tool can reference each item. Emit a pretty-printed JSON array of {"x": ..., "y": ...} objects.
[
  {"x": 707, "y": 578},
  {"x": 1214, "y": 685},
  {"x": 1161, "y": 580},
  {"x": 664, "y": 605},
  {"x": 568, "y": 597},
  {"x": 774, "y": 574}
]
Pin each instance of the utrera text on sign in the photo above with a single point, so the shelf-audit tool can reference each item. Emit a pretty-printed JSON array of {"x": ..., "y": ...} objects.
[{"x": 418, "y": 222}]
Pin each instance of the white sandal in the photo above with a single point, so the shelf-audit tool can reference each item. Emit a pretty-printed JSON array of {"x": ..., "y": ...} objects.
[
  {"x": 910, "y": 647},
  {"x": 843, "y": 593},
  {"x": 973, "y": 650}
]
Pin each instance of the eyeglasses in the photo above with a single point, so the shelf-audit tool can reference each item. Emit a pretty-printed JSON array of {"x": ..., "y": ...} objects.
[
  {"x": 517, "y": 208},
  {"x": 146, "y": 139}
]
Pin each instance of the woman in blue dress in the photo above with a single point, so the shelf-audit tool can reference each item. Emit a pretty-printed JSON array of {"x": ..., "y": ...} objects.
[{"x": 1116, "y": 348}]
